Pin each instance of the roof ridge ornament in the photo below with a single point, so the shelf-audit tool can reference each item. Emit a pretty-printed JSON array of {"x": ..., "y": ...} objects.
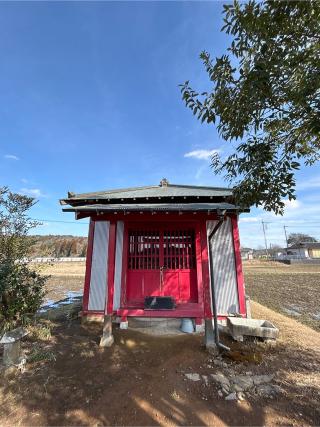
[{"x": 164, "y": 182}]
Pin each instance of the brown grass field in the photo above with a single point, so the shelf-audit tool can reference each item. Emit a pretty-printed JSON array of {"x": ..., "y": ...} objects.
[{"x": 292, "y": 290}]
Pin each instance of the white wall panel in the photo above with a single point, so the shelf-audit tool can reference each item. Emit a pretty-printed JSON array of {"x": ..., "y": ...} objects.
[
  {"x": 224, "y": 268},
  {"x": 99, "y": 266}
]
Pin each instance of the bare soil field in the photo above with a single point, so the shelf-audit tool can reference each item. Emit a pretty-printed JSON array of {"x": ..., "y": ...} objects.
[
  {"x": 141, "y": 381},
  {"x": 292, "y": 290}
]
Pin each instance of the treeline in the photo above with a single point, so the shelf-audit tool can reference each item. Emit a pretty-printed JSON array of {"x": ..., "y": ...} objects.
[{"x": 58, "y": 246}]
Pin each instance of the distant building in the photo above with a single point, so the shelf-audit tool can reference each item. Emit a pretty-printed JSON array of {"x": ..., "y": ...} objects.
[
  {"x": 246, "y": 253},
  {"x": 305, "y": 250}
]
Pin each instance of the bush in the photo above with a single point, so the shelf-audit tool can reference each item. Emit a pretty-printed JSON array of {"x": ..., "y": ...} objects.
[{"x": 21, "y": 287}]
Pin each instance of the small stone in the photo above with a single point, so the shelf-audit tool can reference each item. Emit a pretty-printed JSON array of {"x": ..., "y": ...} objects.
[
  {"x": 231, "y": 396},
  {"x": 221, "y": 379},
  {"x": 220, "y": 393},
  {"x": 265, "y": 390},
  {"x": 241, "y": 396},
  {"x": 205, "y": 379},
  {"x": 262, "y": 379},
  {"x": 225, "y": 389},
  {"x": 193, "y": 377},
  {"x": 249, "y": 373},
  {"x": 242, "y": 382}
]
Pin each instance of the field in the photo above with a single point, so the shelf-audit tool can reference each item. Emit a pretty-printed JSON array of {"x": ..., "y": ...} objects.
[{"x": 292, "y": 290}]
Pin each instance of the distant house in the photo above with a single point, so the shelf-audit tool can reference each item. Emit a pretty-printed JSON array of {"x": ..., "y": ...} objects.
[
  {"x": 246, "y": 253},
  {"x": 305, "y": 250}
]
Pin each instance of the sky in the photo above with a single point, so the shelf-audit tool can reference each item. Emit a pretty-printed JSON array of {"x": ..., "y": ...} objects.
[{"x": 90, "y": 101}]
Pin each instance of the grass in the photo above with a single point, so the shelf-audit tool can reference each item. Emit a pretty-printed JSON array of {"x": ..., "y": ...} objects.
[{"x": 39, "y": 355}]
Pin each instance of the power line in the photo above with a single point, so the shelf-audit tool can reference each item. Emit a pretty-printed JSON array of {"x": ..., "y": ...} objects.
[{"x": 64, "y": 222}]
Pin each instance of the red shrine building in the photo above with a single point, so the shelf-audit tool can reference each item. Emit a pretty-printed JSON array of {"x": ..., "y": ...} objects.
[{"x": 153, "y": 242}]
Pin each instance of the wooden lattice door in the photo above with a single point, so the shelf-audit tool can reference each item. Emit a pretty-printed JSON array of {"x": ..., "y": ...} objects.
[{"x": 161, "y": 262}]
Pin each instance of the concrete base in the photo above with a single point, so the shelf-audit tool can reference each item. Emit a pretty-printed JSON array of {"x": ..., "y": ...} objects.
[
  {"x": 107, "y": 338},
  {"x": 240, "y": 327},
  {"x": 209, "y": 340},
  {"x": 199, "y": 328},
  {"x": 92, "y": 318},
  {"x": 124, "y": 325}
]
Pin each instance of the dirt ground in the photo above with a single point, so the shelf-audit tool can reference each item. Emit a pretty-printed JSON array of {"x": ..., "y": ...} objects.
[
  {"x": 141, "y": 381},
  {"x": 292, "y": 290},
  {"x": 70, "y": 380}
]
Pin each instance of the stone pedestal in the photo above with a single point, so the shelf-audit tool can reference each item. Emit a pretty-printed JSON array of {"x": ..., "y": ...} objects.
[
  {"x": 11, "y": 353},
  {"x": 12, "y": 346},
  {"x": 107, "y": 338}
]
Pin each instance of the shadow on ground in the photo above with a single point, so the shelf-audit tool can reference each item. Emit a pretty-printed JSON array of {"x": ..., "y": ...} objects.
[{"x": 141, "y": 381}]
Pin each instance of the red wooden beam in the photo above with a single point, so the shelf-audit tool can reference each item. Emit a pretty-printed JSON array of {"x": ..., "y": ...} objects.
[
  {"x": 239, "y": 272},
  {"x": 86, "y": 290}
]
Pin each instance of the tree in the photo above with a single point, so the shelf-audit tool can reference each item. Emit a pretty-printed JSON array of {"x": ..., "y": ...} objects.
[
  {"x": 295, "y": 238},
  {"x": 265, "y": 98},
  {"x": 21, "y": 287}
]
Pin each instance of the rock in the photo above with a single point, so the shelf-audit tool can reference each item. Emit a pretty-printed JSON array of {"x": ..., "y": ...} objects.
[
  {"x": 225, "y": 389},
  {"x": 231, "y": 396},
  {"x": 193, "y": 377},
  {"x": 249, "y": 373},
  {"x": 205, "y": 379},
  {"x": 220, "y": 393},
  {"x": 266, "y": 390},
  {"x": 262, "y": 379},
  {"x": 241, "y": 396},
  {"x": 242, "y": 383},
  {"x": 221, "y": 379}
]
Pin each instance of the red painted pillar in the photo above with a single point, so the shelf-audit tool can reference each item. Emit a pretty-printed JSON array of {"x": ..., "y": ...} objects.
[
  {"x": 205, "y": 272},
  {"x": 111, "y": 266},
  {"x": 239, "y": 272},
  {"x": 88, "y": 266}
]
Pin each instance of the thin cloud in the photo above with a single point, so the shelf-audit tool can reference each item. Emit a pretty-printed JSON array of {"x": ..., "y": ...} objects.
[
  {"x": 292, "y": 204},
  {"x": 202, "y": 154},
  {"x": 11, "y": 157},
  {"x": 32, "y": 192},
  {"x": 309, "y": 183}
]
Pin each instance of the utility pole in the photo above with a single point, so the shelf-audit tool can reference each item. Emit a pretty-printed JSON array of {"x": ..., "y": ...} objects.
[
  {"x": 285, "y": 233},
  {"x": 265, "y": 238}
]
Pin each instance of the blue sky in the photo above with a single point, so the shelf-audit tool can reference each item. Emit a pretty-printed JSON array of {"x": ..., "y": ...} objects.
[{"x": 90, "y": 101}]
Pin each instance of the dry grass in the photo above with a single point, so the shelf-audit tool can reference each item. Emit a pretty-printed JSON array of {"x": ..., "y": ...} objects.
[
  {"x": 292, "y": 290},
  {"x": 71, "y": 269}
]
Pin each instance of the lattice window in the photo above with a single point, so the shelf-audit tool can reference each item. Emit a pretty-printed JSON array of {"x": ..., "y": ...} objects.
[
  {"x": 179, "y": 249},
  {"x": 144, "y": 250},
  {"x": 152, "y": 249}
]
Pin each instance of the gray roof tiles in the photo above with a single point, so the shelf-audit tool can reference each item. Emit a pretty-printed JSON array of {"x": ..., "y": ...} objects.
[
  {"x": 176, "y": 207},
  {"x": 169, "y": 190}
]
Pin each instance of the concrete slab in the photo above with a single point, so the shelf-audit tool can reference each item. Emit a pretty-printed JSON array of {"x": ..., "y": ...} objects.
[{"x": 240, "y": 327}]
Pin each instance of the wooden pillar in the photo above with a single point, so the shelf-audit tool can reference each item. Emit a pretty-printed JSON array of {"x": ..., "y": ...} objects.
[
  {"x": 205, "y": 272},
  {"x": 238, "y": 262}
]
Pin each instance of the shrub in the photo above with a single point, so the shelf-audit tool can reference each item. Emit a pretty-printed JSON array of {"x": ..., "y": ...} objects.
[{"x": 21, "y": 286}]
